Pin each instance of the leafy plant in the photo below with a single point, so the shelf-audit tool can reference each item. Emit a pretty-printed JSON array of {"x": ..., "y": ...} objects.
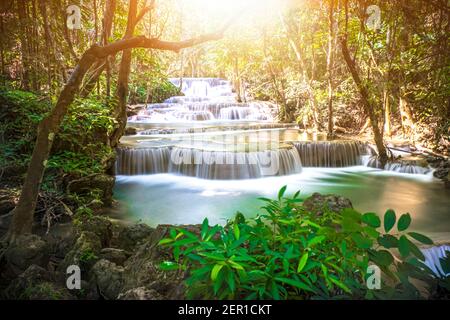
[{"x": 291, "y": 253}]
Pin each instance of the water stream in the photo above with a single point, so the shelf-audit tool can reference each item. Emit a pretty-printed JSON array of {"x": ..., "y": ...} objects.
[{"x": 206, "y": 155}]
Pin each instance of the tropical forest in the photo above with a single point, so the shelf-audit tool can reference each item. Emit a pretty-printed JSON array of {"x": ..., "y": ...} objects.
[{"x": 222, "y": 150}]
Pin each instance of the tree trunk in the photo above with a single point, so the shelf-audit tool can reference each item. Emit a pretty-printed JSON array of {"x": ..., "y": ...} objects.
[
  {"x": 367, "y": 103},
  {"x": 407, "y": 122},
  {"x": 105, "y": 64},
  {"x": 24, "y": 45},
  {"x": 387, "y": 114},
  {"x": 330, "y": 66},
  {"x": 23, "y": 214},
  {"x": 120, "y": 107}
]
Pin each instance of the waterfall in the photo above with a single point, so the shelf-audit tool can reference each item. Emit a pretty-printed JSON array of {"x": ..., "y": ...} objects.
[
  {"x": 207, "y": 164},
  {"x": 142, "y": 160},
  {"x": 224, "y": 165},
  {"x": 401, "y": 166},
  {"x": 331, "y": 153},
  {"x": 205, "y": 99}
]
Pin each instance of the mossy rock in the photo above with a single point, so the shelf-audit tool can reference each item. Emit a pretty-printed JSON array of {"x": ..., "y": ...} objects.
[
  {"x": 320, "y": 204},
  {"x": 27, "y": 250},
  {"x": 98, "y": 181},
  {"x": 101, "y": 226},
  {"x": 36, "y": 283}
]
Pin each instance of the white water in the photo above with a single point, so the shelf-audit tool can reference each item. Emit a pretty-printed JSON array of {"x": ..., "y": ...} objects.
[{"x": 205, "y": 99}]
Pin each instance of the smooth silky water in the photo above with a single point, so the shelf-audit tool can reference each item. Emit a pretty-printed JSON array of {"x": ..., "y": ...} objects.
[
  {"x": 171, "y": 199},
  {"x": 208, "y": 120}
]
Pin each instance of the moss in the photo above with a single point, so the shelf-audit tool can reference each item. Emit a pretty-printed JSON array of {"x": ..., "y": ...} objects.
[{"x": 42, "y": 291}]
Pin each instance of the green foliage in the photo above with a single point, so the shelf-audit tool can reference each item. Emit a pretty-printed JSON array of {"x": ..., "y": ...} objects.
[
  {"x": 149, "y": 83},
  {"x": 87, "y": 256},
  {"x": 20, "y": 114},
  {"x": 81, "y": 146},
  {"x": 290, "y": 253}
]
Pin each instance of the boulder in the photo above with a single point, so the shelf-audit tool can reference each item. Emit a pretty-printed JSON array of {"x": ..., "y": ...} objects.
[
  {"x": 320, "y": 204},
  {"x": 101, "y": 226},
  {"x": 130, "y": 131},
  {"x": 108, "y": 278},
  {"x": 142, "y": 268},
  {"x": 36, "y": 283},
  {"x": 61, "y": 242},
  {"x": 131, "y": 235},
  {"x": 27, "y": 250},
  {"x": 441, "y": 172},
  {"x": 99, "y": 181},
  {"x": 117, "y": 256},
  {"x": 84, "y": 253},
  {"x": 141, "y": 293}
]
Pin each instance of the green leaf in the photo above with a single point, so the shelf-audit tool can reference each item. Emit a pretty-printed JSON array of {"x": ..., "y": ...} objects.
[
  {"x": 445, "y": 263},
  {"x": 281, "y": 192},
  {"x": 231, "y": 281},
  {"x": 371, "y": 219},
  {"x": 295, "y": 283},
  {"x": 403, "y": 246},
  {"x": 389, "y": 220},
  {"x": 237, "y": 232},
  {"x": 165, "y": 241},
  {"x": 388, "y": 241},
  {"x": 351, "y": 214},
  {"x": 315, "y": 240},
  {"x": 205, "y": 226},
  {"x": 302, "y": 262},
  {"x": 215, "y": 271},
  {"x": 416, "y": 251},
  {"x": 168, "y": 265},
  {"x": 362, "y": 242},
  {"x": 340, "y": 284},
  {"x": 404, "y": 222},
  {"x": 420, "y": 237},
  {"x": 382, "y": 258}
]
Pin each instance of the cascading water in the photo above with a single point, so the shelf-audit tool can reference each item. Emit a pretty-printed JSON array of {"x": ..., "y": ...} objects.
[
  {"x": 204, "y": 164},
  {"x": 210, "y": 99},
  {"x": 137, "y": 161},
  {"x": 410, "y": 167},
  {"x": 331, "y": 154},
  {"x": 205, "y": 99}
]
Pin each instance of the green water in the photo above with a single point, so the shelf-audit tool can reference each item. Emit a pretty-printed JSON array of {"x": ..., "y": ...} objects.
[{"x": 170, "y": 199}]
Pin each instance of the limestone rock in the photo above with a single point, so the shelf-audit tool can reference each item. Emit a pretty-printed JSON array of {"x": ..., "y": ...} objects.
[
  {"x": 319, "y": 203},
  {"x": 130, "y": 236},
  {"x": 117, "y": 256},
  {"x": 130, "y": 131},
  {"x": 108, "y": 277},
  {"x": 36, "y": 283},
  {"x": 84, "y": 185},
  {"x": 27, "y": 250},
  {"x": 142, "y": 268},
  {"x": 84, "y": 253},
  {"x": 101, "y": 226}
]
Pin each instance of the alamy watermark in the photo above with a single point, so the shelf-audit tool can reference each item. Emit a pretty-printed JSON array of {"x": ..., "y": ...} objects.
[
  {"x": 373, "y": 21},
  {"x": 73, "y": 21},
  {"x": 74, "y": 277}
]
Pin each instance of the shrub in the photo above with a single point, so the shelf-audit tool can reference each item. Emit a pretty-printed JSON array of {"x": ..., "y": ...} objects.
[{"x": 290, "y": 253}]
